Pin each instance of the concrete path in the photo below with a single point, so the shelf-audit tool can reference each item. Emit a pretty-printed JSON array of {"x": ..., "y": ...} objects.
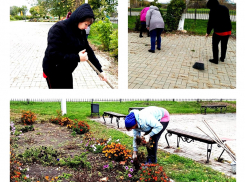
[
  {"x": 223, "y": 124},
  {"x": 28, "y": 42},
  {"x": 171, "y": 67}
]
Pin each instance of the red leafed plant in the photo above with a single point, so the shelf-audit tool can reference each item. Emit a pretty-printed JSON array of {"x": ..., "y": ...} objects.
[
  {"x": 81, "y": 127},
  {"x": 28, "y": 117},
  {"x": 152, "y": 172}
]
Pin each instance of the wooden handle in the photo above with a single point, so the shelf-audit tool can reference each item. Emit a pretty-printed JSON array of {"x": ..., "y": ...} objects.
[
  {"x": 230, "y": 149},
  {"x": 97, "y": 71}
]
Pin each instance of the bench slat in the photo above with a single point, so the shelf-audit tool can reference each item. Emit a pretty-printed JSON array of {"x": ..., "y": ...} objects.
[{"x": 195, "y": 136}]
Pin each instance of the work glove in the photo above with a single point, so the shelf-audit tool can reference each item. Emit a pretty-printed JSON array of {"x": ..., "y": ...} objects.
[
  {"x": 134, "y": 155},
  {"x": 147, "y": 138}
]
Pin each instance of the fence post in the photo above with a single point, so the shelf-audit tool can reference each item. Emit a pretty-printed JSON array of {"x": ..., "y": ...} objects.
[
  {"x": 63, "y": 106},
  {"x": 27, "y": 101}
]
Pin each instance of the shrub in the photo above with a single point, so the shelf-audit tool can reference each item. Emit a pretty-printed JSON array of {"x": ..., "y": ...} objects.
[
  {"x": 104, "y": 29},
  {"x": 28, "y": 117},
  {"x": 114, "y": 44},
  {"x": 81, "y": 127},
  {"x": 57, "y": 119},
  {"x": 116, "y": 151},
  {"x": 65, "y": 121},
  {"x": 152, "y": 172},
  {"x": 137, "y": 24},
  {"x": 174, "y": 12}
]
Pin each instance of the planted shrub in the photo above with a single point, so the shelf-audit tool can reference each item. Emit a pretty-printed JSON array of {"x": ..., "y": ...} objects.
[
  {"x": 81, "y": 127},
  {"x": 174, "y": 12},
  {"x": 57, "y": 119},
  {"x": 104, "y": 29},
  {"x": 28, "y": 117},
  {"x": 137, "y": 24},
  {"x": 65, "y": 121},
  {"x": 116, "y": 151},
  {"x": 114, "y": 44}
]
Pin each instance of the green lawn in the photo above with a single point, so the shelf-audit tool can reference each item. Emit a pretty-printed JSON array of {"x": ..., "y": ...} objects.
[
  {"x": 178, "y": 168},
  {"x": 202, "y": 10},
  {"x": 199, "y": 27}
]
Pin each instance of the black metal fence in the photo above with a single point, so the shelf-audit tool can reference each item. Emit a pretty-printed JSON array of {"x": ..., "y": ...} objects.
[
  {"x": 204, "y": 14},
  {"x": 117, "y": 100}
]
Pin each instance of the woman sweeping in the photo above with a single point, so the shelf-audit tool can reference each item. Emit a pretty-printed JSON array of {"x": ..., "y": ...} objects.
[
  {"x": 155, "y": 24},
  {"x": 67, "y": 46},
  {"x": 151, "y": 120}
]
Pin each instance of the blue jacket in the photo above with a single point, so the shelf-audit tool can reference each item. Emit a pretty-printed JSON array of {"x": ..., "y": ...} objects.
[{"x": 147, "y": 119}]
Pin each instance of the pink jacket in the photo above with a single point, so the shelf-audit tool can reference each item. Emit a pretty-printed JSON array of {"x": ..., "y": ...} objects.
[{"x": 143, "y": 14}]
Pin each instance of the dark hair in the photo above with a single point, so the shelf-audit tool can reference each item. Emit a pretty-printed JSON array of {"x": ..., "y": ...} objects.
[{"x": 88, "y": 19}]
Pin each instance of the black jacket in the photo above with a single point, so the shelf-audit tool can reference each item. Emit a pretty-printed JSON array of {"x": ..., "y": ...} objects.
[
  {"x": 219, "y": 17},
  {"x": 65, "y": 41}
]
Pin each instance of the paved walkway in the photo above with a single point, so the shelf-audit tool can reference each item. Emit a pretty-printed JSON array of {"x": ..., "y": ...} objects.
[
  {"x": 28, "y": 42},
  {"x": 223, "y": 124},
  {"x": 171, "y": 67}
]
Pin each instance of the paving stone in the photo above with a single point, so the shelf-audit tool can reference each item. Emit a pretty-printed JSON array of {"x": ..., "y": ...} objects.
[
  {"x": 27, "y": 47},
  {"x": 178, "y": 54}
]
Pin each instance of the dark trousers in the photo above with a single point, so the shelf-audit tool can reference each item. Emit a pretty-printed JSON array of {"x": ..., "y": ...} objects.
[
  {"x": 152, "y": 152},
  {"x": 215, "y": 42},
  {"x": 156, "y": 33},
  {"x": 143, "y": 28},
  {"x": 60, "y": 81}
]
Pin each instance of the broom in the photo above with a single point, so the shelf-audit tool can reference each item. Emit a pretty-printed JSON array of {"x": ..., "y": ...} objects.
[{"x": 97, "y": 71}]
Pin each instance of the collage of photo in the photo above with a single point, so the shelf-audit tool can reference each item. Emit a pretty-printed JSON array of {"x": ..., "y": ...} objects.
[{"x": 151, "y": 95}]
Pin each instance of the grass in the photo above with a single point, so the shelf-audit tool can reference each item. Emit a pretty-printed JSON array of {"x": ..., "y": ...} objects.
[
  {"x": 178, "y": 168},
  {"x": 202, "y": 10},
  {"x": 199, "y": 27}
]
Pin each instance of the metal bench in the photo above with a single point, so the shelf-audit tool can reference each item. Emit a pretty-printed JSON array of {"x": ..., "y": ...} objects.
[
  {"x": 204, "y": 107},
  {"x": 188, "y": 137},
  {"x": 113, "y": 114},
  {"x": 137, "y": 108}
]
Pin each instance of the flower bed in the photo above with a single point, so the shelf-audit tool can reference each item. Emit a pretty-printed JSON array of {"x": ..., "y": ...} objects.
[{"x": 49, "y": 152}]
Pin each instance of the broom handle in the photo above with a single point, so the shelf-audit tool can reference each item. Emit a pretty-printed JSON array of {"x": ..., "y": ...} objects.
[{"x": 102, "y": 76}]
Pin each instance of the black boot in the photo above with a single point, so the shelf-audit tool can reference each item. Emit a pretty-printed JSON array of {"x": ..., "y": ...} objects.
[
  {"x": 153, "y": 51},
  {"x": 140, "y": 36},
  {"x": 158, "y": 48},
  {"x": 222, "y": 60},
  {"x": 213, "y": 61}
]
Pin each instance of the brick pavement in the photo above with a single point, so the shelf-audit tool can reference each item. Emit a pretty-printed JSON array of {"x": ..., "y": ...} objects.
[
  {"x": 223, "y": 124},
  {"x": 28, "y": 42},
  {"x": 171, "y": 67}
]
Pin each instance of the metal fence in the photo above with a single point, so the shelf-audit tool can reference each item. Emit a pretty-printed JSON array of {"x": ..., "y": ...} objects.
[
  {"x": 118, "y": 100},
  {"x": 204, "y": 15}
]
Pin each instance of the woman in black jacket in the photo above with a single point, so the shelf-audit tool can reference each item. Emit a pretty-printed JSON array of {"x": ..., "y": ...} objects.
[
  {"x": 219, "y": 20},
  {"x": 67, "y": 46}
]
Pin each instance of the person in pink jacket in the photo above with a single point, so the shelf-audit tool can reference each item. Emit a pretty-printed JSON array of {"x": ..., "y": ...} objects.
[{"x": 143, "y": 21}]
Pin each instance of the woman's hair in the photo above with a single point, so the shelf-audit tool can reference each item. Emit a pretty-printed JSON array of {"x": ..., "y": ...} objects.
[{"x": 88, "y": 19}]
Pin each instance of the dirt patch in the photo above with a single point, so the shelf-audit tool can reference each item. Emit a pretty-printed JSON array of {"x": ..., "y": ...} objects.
[{"x": 60, "y": 138}]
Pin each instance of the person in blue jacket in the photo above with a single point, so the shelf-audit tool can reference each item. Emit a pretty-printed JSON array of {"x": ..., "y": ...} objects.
[{"x": 151, "y": 120}]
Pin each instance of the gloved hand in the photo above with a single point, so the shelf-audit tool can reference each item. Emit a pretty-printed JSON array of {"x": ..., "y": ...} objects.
[
  {"x": 147, "y": 138},
  {"x": 134, "y": 154}
]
